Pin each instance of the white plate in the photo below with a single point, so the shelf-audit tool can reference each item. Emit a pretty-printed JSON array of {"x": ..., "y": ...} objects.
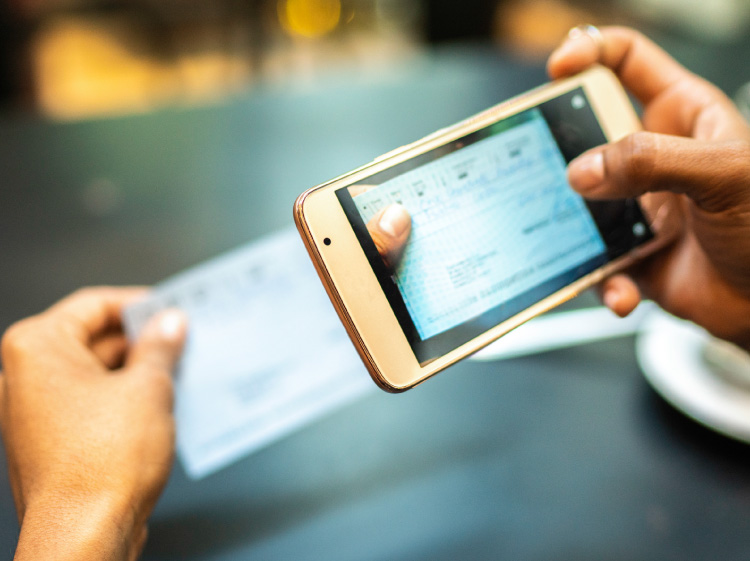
[
  {"x": 672, "y": 353},
  {"x": 558, "y": 330}
]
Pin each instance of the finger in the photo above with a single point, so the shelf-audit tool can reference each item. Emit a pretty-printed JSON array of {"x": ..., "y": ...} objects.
[
  {"x": 716, "y": 175},
  {"x": 390, "y": 229},
  {"x": 90, "y": 311},
  {"x": 620, "y": 294},
  {"x": 110, "y": 349},
  {"x": 160, "y": 344},
  {"x": 643, "y": 67}
]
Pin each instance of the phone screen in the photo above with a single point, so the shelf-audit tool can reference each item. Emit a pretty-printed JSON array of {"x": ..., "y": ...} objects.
[{"x": 495, "y": 224}]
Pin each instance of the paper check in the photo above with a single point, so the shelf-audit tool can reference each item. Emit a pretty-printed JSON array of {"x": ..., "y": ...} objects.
[{"x": 265, "y": 354}]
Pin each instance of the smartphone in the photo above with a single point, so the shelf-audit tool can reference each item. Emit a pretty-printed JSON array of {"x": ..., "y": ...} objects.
[{"x": 497, "y": 234}]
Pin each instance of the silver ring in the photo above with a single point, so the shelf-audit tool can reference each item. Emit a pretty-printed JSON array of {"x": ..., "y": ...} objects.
[{"x": 589, "y": 31}]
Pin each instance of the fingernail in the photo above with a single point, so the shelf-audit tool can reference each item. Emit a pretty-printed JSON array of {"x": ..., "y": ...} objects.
[
  {"x": 172, "y": 324},
  {"x": 586, "y": 172},
  {"x": 395, "y": 220}
]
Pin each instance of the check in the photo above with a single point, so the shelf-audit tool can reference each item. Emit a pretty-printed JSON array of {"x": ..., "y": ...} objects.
[{"x": 265, "y": 354}]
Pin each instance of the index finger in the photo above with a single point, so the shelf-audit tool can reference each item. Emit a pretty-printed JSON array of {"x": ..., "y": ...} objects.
[
  {"x": 643, "y": 67},
  {"x": 92, "y": 311}
]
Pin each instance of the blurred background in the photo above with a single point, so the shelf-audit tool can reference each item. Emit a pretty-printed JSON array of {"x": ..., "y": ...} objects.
[{"x": 73, "y": 59}]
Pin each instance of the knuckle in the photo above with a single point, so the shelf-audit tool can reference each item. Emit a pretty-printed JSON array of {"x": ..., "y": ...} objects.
[
  {"x": 742, "y": 156},
  {"x": 738, "y": 156},
  {"x": 88, "y": 294},
  {"x": 726, "y": 185},
  {"x": 85, "y": 293},
  {"x": 635, "y": 159},
  {"x": 21, "y": 338},
  {"x": 628, "y": 33},
  {"x": 737, "y": 166},
  {"x": 630, "y": 37}
]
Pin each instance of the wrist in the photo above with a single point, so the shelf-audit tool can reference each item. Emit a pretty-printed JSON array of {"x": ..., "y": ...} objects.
[{"x": 65, "y": 527}]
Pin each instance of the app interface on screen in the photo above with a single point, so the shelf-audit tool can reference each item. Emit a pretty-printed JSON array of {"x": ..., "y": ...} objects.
[{"x": 489, "y": 221}]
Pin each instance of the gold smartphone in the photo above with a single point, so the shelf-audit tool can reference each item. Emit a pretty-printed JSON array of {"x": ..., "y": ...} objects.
[{"x": 497, "y": 235}]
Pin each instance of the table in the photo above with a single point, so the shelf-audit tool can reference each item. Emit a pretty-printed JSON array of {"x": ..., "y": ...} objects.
[{"x": 562, "y": 455}]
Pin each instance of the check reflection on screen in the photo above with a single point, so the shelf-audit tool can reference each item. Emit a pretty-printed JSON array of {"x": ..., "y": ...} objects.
[{"x": 489, "y": 221}]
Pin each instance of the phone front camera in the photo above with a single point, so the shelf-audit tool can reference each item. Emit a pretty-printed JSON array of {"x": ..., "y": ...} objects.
[{"x": 327, "y": 241}]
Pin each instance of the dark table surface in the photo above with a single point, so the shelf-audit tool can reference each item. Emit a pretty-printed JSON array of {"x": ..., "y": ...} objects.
[{"x": 563, "y": 455}]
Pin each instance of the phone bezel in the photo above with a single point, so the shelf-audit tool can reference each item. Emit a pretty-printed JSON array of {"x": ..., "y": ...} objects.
[{"x": 352, "y": 285}]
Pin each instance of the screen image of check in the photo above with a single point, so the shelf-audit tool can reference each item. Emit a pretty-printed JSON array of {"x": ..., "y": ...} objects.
[{"x": 489, "y": 221}]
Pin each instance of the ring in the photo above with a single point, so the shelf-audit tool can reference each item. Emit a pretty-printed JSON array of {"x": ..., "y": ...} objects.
[{"x": 589, "y": 31}]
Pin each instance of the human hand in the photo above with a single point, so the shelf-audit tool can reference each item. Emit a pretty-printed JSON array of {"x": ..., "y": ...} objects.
[
  {"x": 87, "y": 425},
  {"x": 694, "y": 156}
]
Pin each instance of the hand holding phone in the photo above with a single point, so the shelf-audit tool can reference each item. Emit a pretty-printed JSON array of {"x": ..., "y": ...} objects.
[
  {"x": 496, "y": 235},
  {"x": 694, "y": 156}
]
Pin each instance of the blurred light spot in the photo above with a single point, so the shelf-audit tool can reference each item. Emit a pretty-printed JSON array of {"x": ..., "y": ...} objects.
[
  {"x": 532, "y": 28},
  {"x": 101, "y": 197},
  {"x": 309, "y": 18}
]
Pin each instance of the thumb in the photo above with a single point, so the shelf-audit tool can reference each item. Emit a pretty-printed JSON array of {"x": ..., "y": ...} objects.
[
  {"x": 160, "y": 343},
  {"x": 715, "y": 175},
  {"x": 389, "y": 230}
]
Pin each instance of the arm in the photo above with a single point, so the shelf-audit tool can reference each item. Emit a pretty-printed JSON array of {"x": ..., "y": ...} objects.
[{"x": 87, "y": 425}]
